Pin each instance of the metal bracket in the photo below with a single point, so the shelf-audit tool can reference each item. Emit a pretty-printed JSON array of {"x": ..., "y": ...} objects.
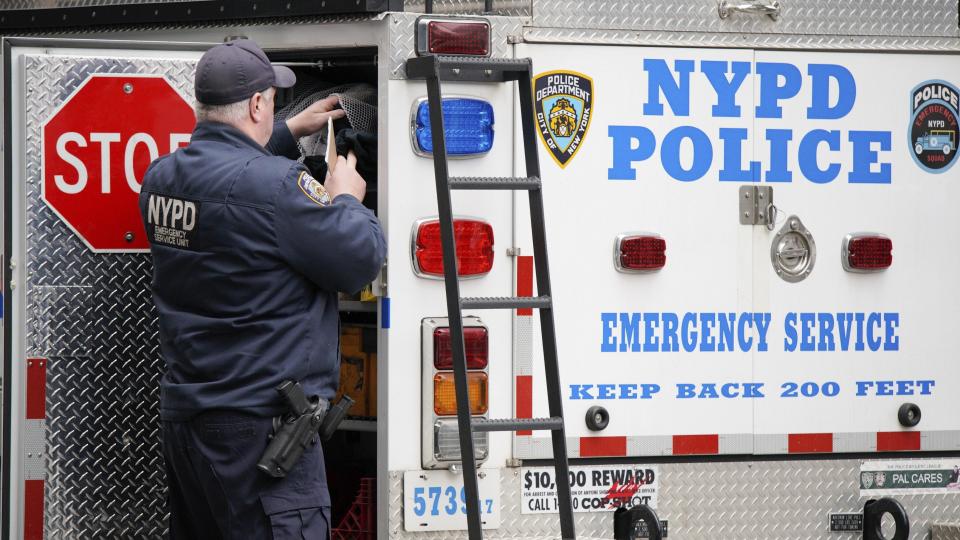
[
  {"x": 756, "y": 205},
  {"x": 379, "y": 285}
]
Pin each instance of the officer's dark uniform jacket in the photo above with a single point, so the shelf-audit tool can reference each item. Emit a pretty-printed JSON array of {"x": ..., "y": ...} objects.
[{"x": 248, "y": 260}]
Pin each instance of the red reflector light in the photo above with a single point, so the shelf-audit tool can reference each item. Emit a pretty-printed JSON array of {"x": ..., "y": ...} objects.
[
  {"x": 867, "y": 252},
  {"x": 640, "y": 253},
  {"x": 475, "y": 347},
  {"x": 454, "y": 37},
  {"x": 474, "y": 241}
]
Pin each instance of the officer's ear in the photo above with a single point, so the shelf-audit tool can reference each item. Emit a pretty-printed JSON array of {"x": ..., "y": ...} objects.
[{"x": 257, "y": 105}]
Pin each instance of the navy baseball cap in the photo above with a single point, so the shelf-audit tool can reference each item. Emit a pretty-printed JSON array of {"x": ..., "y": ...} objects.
[{"x": 234, "y": 71}]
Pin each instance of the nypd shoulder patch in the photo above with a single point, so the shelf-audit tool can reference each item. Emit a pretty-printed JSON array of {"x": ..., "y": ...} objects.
[{"x": 313, "y": 189}]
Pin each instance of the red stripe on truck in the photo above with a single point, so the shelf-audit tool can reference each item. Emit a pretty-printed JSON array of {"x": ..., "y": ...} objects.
[
  {"x": 33, "y": 510},
  {"x": 36, "y": 388},
  {"x": 895, "y": 441},
  {"x": 525, "y": 400},
  {"x": 603, "y": 446},
  {"x": 696, "y": 444},
  {"x": 525, "y": 282},
  {"x": 809, "y": 443}
]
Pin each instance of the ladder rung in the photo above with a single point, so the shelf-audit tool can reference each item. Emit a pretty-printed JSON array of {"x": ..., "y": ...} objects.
[
  {"x": 506, "y": 302},
  {"x": 465, "y": 68},
  {"x": 481, "y": 182},
  {"x": 517, "y": 424}
]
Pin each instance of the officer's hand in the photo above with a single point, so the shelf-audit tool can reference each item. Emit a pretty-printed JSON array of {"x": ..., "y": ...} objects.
[
  {"x": 345, "y": 179},
  {"x": 314, "y": 118}
]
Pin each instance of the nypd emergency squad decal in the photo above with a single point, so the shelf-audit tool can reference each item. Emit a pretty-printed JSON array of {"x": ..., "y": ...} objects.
[
  {"x": 564, "y": 107},
  {"x": 313, "y": 189},
  {"x": 933, "y": 127},
  {"x": 172, "y": 222}
]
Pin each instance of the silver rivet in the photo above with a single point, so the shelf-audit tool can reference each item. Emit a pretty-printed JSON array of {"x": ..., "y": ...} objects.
[
  {"x": 793, "y": 224},
  {"x": 456, "y": 71},
  {"x": 746, "y": 214},
  {"x": 128, "y": 88},
  {"x": 128, "y": 237},
  {"x": 761, "y": 194},
  {"x": 746, "y": 195}
]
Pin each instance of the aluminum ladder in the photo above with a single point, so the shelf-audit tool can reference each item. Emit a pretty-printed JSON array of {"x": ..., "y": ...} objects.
[{"x": 434, "y": 69}]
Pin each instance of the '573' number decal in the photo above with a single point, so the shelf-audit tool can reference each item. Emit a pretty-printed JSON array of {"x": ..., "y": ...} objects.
[{"x": 433, "y": 500}]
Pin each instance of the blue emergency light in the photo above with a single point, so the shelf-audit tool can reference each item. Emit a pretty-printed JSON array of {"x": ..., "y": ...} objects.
[{"x": 467, "y": 124}]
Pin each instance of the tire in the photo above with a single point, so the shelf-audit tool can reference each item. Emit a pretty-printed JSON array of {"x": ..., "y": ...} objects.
[
  {"x": 946, "y": 149},
  {"x": 918, "y": 149}
]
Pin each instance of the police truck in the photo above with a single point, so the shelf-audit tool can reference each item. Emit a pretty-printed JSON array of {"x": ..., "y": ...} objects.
[{"x": 746, "y": 327}]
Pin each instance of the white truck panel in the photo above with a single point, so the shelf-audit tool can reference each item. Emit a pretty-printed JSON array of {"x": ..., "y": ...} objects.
[
  {"x": 412, "y": 196},
  {"x": 915, "y": 210},
  {"x": 688, "y": 194}
]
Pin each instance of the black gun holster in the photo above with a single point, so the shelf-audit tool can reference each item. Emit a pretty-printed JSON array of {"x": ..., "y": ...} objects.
[{"x": 300, "y": 428}]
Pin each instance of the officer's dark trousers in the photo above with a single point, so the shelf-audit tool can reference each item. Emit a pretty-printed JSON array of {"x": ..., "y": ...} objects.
[{"x": 216, "y": 490}]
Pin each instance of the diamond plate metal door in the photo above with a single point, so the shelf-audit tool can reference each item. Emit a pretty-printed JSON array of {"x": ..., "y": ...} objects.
[{"x": 91, "y": 315}]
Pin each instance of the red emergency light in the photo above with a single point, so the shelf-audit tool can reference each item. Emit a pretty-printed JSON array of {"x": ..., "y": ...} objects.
[
  {"x": 474, "y": 241},
  {"x": 867, "y": 252},
  {"x": 469, "y": 37},
  {"x": 640, "y": 252},
  {"x": 474, "y": 343}
]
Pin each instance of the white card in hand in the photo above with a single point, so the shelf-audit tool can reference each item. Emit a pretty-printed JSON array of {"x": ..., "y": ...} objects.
[{"x": 331, "y": 156}]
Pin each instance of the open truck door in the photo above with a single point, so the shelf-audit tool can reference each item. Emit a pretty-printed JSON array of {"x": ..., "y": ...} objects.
[{"x": 83, "y": 119}]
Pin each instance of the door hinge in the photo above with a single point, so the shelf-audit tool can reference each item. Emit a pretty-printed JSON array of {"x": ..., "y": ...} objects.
[{"x": 756, "y": 205}]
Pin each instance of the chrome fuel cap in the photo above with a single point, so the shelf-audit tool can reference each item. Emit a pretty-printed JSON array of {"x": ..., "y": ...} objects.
[{"x": 793, "y": 252}]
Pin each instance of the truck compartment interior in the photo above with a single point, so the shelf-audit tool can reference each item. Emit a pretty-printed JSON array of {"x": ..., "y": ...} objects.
[
  {"x": 352, "y": 452},
  {"x": 351, "y": 74}
]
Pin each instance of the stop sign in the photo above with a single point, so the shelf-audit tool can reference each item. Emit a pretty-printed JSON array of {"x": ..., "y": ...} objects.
[{"x": 96, "y": 148}]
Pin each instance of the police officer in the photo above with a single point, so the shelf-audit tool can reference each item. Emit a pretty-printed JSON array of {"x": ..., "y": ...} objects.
[{"x": 249, "y": 252}]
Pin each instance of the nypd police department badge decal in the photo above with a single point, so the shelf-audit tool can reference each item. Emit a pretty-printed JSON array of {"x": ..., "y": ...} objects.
[
  {"x": 933, "y": 126},
  {"x": 313, "y": 189},
  {"x": 564, "y": 107}
]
